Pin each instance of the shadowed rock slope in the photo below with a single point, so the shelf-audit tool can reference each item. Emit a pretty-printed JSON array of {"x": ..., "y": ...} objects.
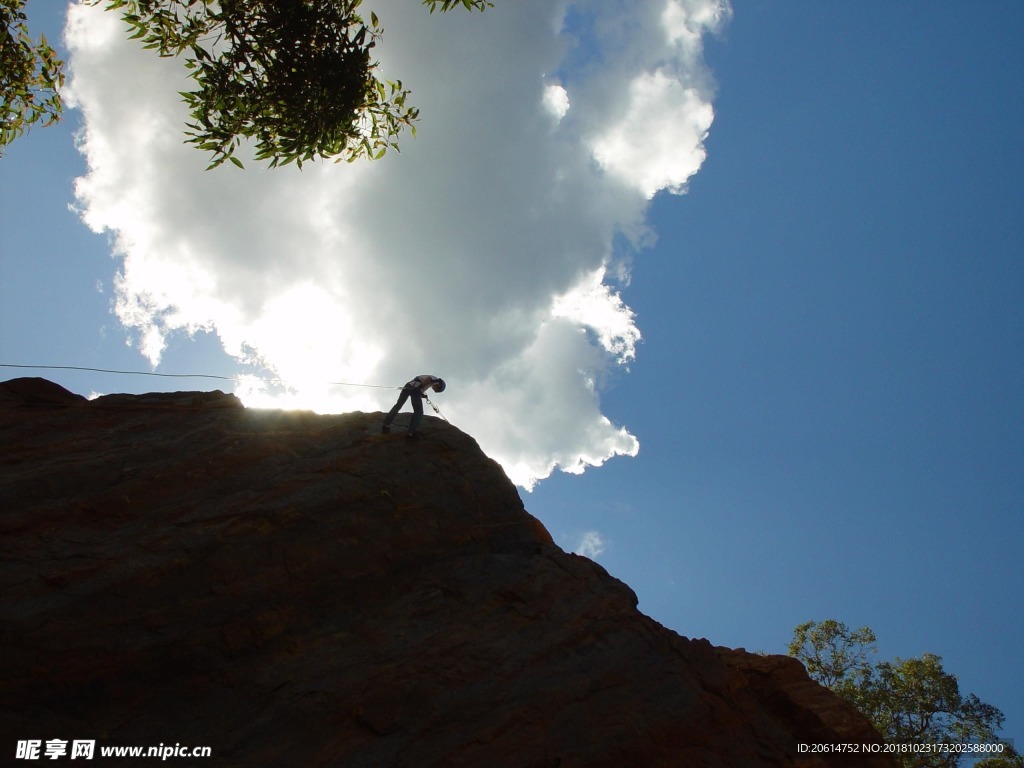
[{"x": 300, "y": 590}]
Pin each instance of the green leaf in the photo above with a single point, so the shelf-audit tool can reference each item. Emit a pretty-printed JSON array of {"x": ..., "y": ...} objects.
[{"x": 295, "y": 79}]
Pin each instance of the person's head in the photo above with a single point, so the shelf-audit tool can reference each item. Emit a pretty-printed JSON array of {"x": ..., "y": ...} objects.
[{"x": 439, "y": 385}]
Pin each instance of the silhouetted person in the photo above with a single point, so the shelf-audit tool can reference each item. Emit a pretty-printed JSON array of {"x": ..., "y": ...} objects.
[{"x": 414, "y": 390}]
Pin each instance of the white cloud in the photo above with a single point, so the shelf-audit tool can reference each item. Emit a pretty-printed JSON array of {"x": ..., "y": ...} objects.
[
  {"x": 687, "y": 21},
  {"x": 659, "y": 142},
  {"x": 479, "y": 253},
  {"x": 591, "y": 545},
  {"x": 556, "y": 100},
  {"x": 593, "y": 305}
]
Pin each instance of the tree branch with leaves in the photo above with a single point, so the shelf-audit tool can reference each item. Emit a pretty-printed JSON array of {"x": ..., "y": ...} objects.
[
  {"x": 909, "y": 701},
  {"x": 294, "y": 76},
  {"x": 31, "y": 76}
]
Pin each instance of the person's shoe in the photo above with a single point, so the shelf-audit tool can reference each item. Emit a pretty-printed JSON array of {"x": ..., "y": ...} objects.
[
  {"x": 385, "y": 429},
  {"x": 411, "y": 435}
]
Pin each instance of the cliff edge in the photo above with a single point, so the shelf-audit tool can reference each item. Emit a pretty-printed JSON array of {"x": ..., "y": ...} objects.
[{"x": 292, "y": 589}]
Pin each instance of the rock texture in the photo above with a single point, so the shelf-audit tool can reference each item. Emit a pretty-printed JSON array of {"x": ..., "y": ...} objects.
[{"x": 300, "y": 590}]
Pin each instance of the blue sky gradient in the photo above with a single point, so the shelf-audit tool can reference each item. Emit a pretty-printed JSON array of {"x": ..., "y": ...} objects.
[{"x": 830, "y": 394}]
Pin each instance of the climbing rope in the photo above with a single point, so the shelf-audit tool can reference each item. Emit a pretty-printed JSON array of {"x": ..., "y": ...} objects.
[
  {"x": 436, "y": 409},
  {"x": 179, "y": 375},
  {"x": 201, "y": 376}
]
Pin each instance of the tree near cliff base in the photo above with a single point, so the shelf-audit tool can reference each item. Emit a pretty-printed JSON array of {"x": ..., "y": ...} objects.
[
  {"x": 294, "y": 76},
  {"x": 31, "y": 76},
  {"x": 909, "y": 701},
  {"x": 1014, "y": 760}
]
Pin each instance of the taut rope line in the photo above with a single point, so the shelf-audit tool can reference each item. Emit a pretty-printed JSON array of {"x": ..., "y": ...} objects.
[{"x": 181, "y": 375}]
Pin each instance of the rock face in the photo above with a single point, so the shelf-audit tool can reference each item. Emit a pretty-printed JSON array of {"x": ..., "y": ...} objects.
[{"x": 300, "y": 590}]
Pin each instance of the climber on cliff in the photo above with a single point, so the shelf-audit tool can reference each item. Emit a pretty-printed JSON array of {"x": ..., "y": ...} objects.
[{"x": 416, "y": 390}]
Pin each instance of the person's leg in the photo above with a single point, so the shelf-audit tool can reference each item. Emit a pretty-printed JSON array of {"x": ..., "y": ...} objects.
[
  {"x": 417, "y": 410},
  {"x": 394, "y": 411}
]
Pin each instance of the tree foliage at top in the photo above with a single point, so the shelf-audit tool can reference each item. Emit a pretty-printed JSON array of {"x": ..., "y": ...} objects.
[
  {"x": 294, "y": 76},
  {"x": 909, "y": 701},
  {"x": 31, "y": 75}
]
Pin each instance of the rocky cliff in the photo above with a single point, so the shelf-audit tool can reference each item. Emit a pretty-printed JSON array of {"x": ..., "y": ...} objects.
[{"x": 300, "y": 590}]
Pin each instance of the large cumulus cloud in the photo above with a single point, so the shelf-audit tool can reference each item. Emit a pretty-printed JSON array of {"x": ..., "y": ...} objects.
[{"x": 483, "y": 252}]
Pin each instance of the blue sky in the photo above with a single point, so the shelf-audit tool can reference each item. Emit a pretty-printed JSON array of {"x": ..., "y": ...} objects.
[{"x": 827, "y": 398}]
